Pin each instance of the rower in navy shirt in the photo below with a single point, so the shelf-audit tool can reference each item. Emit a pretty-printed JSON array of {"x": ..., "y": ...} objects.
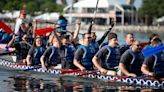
[
  {"x": 84, "y": 54},
  {"x": 107, "y": 58},
  {"x": 131, "y": 60}
]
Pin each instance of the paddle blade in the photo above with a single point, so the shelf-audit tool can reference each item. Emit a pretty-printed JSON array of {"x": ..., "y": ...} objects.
[
  {"x": 44, "y": 31},
  {"x": 5, "y": 28},
  {"x": 150, "y": 51}
]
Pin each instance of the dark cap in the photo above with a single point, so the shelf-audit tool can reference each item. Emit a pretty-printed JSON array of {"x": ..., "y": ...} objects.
[
  {"x": 112, "y": 35},
  {"x": 23, "y": 12}
]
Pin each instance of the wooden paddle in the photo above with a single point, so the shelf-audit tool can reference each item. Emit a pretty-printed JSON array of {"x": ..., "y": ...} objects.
[
  {"x": 87, "y": 72},
  {"x": 19, "y": 64},
  {"x": 70, "y": 71}
]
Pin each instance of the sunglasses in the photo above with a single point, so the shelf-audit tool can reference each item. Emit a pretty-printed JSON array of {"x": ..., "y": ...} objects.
[{"x": 88, "y": 37}]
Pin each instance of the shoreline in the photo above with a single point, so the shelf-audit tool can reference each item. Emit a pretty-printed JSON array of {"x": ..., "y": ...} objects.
[
  {"x": 116, "y": 28},
  {"x": 129, "y": 28}
]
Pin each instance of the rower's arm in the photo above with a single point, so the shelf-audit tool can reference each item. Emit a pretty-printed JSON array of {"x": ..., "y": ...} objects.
[
  {"x": 123, "y": 69},
  {"x": 145, "y": 70},
  {"x": 77, "y": 58},
  {"x": 77, "y": 64},
  {"x": 42, "y": 62},
  {"x": 97, "y": 65},
  {"x": 75, "y": 35},
  {"x": 146, "y": 65},
  {"x": 28, "y": 60},
  {"x": 34, "y": 28},
  {"x": 103, "y": 37}
]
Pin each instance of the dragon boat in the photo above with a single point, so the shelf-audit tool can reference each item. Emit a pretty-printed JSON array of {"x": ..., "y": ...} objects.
[{"x": 140, "y": 80}]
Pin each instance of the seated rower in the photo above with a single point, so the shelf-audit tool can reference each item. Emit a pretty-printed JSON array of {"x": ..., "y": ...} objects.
[
  {"x": 35, "y": 52},
  {"x": 107, "y": 58},
  {"x": 66, "y": 53},
  {"x": 51, "y": 57},
  {"x": 153, "y": 65},
  {"x": 22, "y": 49},
  {"x": 131, "y": 60},
  {"x": 84, "y": 54}
]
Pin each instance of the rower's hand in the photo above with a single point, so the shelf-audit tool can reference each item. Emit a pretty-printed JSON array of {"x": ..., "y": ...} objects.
[
  {"x": 82, "y": 68},
  {"x": 132, "y": 75},
  {"x": 151, "y": 74},
  {"x": 44, "y": 68},
  {"x": 103, "y": 70}
]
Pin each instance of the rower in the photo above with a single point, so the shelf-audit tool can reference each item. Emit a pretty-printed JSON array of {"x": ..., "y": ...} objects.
[
  {"x": 20, "y": 27},
  {"x": 22, "y": 48},
  {"x": 153, "y": 65},
  {"x": 152, "y": 43},
  {"x": 51, "y": 57},
  {"x": 94, "y": 43},
  {"x": 35, "y": 52},
  {"x": 62, "y": 22},
  {"x": 131, "y": 60},
  {"x": 129, "y": 38},
  {"x": 84, "y": 54},
  {"x": 66, "y": 53},
  {"x": 107, "y": 58}
]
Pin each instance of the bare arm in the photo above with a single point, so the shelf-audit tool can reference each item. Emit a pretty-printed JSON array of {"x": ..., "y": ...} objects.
[
  {"x": 77, "y": 64},
  {"x": 75, "y": 35},
  {"x": 125, "y": 71},
  {"x": 34, "y": 28},
  {"x": 145, "y": 70},
  {"x": 42, "y": 62},
  {"x": 96, "y": 64},
  {"x": 29, "y": 60}
]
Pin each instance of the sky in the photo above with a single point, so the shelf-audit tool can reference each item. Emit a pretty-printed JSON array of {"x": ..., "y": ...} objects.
[{"x": 137, "y": 3}]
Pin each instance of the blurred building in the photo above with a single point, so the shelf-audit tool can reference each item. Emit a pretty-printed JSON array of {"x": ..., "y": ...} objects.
[{"x": 108, "y": 10}]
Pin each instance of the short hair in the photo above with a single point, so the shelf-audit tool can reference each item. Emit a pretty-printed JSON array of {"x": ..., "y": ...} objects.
[
  {"x": 112, "y": 35},
  {"x": 128, "y": 34}
]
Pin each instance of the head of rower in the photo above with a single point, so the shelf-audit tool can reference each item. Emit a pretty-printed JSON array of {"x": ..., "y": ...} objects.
[
  {"x": 86, "y": 39},
  {"x": 93, "y": 35},
  {"x": 155, "y": 41},
  {"x": 136, "y": 47},
  {"x": 23, "y": 14},
  {"x": 38, "y": 42},
  {"x": 129, "y": 38},
  {"x": 112, "y": 40},
  {"x": 65, "y": 39}
]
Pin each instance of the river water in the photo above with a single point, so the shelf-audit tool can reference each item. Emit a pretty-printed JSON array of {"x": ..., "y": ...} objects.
[{"x": 16, "y": 81}]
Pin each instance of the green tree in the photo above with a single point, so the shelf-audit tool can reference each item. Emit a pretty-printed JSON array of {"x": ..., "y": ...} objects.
[
  {"x": 152, "y": 9},
  {"x": 32, "y": 7},
  {"x": 51, "y": 7}
]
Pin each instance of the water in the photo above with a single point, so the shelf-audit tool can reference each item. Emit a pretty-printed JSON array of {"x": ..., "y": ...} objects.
[{"x": 15, "y": 81}]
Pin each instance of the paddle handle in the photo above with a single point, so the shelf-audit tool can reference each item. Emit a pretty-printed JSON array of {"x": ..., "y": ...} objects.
[
  {"x": 86, "y": 73},
  {"x": 70, "y": 71}
]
